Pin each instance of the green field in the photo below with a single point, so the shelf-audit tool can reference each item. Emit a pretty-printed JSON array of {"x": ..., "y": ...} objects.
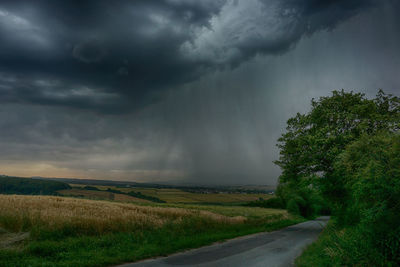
[
  {"x": 231, "y": 211},
  {"x": 180, "y": 196},
  {"x": 100, "y": 195},
  {"x": 97, "y": 225},
  {"x": 61, "y": 231}
]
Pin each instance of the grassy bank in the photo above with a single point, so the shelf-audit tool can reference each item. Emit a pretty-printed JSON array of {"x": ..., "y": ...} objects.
[
  {"x": 77, "y": 232},
  {"x": 344, "y": 246}
]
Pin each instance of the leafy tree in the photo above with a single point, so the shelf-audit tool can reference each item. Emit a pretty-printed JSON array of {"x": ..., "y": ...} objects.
[
  {"x": 347, "y": 150},
  {"x": 313, "y": 141}
]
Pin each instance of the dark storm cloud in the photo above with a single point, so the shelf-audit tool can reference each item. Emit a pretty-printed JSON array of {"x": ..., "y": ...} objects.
[
  {"x": 114, "y": 56},
  {"x": 89, "y": 51},
  {"x": 244, "y": 29},
  {"x": 211, "y": 82},
  {"x": 88, "y": 43}
]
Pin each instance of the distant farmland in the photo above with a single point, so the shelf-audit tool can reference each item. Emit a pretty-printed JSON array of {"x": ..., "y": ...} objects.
[
  {"x": 92, "y": 217},
  {"x": 171, "y": 195},
  {"x": 101, "y": 195}
]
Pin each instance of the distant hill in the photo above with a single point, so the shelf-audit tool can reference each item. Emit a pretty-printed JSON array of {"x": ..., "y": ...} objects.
[
  {"x": 185, "y": 187},
  {"x": 29, "y": 186}
]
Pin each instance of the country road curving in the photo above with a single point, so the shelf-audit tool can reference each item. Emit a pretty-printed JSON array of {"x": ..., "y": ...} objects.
[{"x": 278, "y": 248}]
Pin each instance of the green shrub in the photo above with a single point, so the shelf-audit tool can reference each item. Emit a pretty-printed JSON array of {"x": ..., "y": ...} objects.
[
  {"x": 293, "y": 207},
  {"x": 309, "y": 200},
  {"x": 371, "y": 169},
  {"x": 366, "y": 231},
  {"x": 93, "y": 188},
  {"x": 272, "y": 203},
  {"x": 348, "y": 246}
]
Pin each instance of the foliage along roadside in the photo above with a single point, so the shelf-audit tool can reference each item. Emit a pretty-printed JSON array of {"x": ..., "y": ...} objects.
[{"x": 344, "y": 155}]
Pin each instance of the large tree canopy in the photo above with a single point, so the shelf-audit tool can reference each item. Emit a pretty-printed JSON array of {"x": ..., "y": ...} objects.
[{"x": 313, "y": 141}]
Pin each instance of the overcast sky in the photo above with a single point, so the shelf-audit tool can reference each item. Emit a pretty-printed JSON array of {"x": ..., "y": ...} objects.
[{"x": 178, "y": 90}]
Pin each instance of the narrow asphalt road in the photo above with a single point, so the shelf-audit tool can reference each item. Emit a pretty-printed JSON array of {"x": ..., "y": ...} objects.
[{"x": 279, "y": 248}]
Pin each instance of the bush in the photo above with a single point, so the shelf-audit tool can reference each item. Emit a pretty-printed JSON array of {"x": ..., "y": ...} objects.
[
  {"x": 273, "y": 203},
  {"x": 344, "y": 246},
  {"x": 366, "y": 231},
  {"x": 293, "y": 207},
  {"x": 93, "y": 188},
  {"x": 308, "y": 199},
  {"x": 371, "y": 169}
]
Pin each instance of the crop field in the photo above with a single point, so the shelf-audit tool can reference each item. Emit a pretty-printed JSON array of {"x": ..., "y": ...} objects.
[
  {"x": 86, "y": 216},
  {"x": 62, "y": 231},
  {"x": 101, "y": 195},
  {"x": 180, "y": 196}
]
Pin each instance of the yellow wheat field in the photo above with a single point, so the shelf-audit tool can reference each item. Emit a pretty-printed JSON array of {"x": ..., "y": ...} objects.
[{"x": 89, "y": 216}]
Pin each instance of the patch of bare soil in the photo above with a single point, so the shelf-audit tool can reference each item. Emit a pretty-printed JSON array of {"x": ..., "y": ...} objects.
[{"x": 11, "y": 240}]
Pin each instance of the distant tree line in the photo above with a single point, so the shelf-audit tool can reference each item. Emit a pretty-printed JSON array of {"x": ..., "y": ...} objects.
[
  {"x": 192, "y": 189},
  {"x": 137, "y": 195},
  {"x": 273, "y": 203},
  {"x": 29, "y": 186},
  {"x": 93, "y": 188}
]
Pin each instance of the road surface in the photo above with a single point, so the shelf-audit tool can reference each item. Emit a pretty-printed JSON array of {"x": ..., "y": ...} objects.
[{"x": 278, "y": 248}]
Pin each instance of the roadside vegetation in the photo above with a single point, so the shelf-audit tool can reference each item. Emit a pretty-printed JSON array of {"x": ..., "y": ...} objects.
[
  {"x": 343, "y": 158},
  {"x": 60, "y": 231}
]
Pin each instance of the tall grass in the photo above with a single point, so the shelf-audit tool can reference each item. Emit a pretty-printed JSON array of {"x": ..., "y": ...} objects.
[
  {"x": 79, "y": 232},
  {"x": 80, "y": 216},
  {"x": 346, "y": 246}
]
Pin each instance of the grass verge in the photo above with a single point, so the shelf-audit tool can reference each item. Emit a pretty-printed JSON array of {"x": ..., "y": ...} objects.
[{"x": 343, "y": 246}]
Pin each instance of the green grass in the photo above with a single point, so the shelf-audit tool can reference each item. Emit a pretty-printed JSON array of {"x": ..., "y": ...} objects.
[
  {"x": 317, "y": 254},
  {"x": 232, "y": 211},
  {"x": 344, "y": 246},
  {"x": 52, "y": 250},
  {"x": 171, "y": 195}
]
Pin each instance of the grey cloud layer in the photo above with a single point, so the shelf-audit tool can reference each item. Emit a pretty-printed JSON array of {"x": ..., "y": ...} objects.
[{"x": 114, "y": 56}]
